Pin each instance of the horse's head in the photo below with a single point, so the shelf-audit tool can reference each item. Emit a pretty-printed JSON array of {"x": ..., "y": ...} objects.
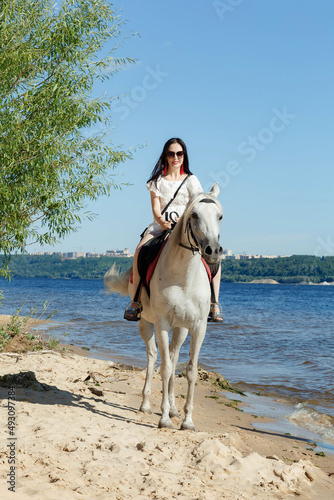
[{"x": 201, "y": 224}]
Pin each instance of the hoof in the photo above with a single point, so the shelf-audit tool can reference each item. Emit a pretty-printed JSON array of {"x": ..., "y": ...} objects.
[
  {"x": 165, "y": 424},
  {"x": 146, "y": 410},
  {"x": 174, "y": 413},
  {"x": 187, "y": 427}
]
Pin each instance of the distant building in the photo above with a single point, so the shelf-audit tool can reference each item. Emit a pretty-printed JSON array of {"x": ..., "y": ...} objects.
[
  {"x": 73, "y": 255},
  {"x": 227, "y": 254},
  {"x": 119, "y": 253}
]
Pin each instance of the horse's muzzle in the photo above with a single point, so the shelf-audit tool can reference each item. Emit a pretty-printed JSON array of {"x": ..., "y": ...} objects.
[{"x": 212, "y": 253}]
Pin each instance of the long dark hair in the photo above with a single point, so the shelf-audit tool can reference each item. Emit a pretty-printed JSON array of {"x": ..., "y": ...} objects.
[{"x": 160, "y": 165}]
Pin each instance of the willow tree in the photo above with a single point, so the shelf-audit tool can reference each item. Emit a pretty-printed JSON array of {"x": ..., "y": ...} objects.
[{"x": 51, "y": 163}]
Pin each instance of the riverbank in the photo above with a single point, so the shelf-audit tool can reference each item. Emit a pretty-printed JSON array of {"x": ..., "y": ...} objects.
[
  {"x": 287, "y": 270},
  {"x": 79, "y": 435}
]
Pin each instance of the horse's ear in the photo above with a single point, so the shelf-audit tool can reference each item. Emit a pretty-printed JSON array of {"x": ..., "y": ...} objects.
[{"x": 215, "y": 190}]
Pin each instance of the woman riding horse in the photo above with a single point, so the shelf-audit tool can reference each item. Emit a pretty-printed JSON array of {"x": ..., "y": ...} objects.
[
  {"x": 170, "y": 173},
  {"x": 179, "y": 300}
]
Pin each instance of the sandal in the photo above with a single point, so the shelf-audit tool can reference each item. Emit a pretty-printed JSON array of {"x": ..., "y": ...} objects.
[
  {"x": 133, "y": 311},
  {"x": 216, "y": 315}
]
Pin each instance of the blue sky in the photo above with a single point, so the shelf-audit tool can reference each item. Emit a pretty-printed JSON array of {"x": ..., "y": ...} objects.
[{"x": 248, "y": 85}]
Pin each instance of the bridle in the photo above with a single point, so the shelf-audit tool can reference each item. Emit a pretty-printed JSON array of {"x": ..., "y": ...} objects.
[{"x": 190, "y": 233}]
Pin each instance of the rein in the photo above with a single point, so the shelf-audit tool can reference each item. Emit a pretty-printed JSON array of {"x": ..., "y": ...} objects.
[{"x": 190, "y": 232}]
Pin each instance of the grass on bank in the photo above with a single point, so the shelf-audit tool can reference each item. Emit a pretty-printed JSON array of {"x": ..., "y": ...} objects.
[{"x": 16, "y": 334}]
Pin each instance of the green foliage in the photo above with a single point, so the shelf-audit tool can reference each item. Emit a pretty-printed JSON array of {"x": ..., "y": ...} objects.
[
  {"x": 4, "y": 338},
  {"x": 12, "y": 329},
  {"x": 15, "y": 325},
  {"x": 52, "y": 342},
  {"x": 294, "y": 269},
  {"x": 18, "y": 325},
  {"x": 52, "y": 266},
  {"x": 50, "y": 164}
]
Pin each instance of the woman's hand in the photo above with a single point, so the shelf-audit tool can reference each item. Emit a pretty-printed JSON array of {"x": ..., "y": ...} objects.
[{"x": 164, "y": 223}]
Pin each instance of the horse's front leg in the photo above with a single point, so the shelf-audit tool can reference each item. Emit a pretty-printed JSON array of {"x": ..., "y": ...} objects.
[
  {"x": 178, "y": 337},
  {"x": 147, "y": 333},
  {"x": 197, "y": 338},
  {"x": 166, "y": 369}
]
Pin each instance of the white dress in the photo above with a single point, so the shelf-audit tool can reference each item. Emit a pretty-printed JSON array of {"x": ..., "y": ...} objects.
[{"x": 165, "y": 190}]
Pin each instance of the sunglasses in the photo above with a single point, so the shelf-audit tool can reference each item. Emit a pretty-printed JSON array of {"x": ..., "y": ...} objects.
[{"x": 171, "y": 154}]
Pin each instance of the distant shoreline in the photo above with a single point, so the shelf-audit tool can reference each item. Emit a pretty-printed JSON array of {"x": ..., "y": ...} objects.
[
  {"x": 263, "y": 281},
  {"x": 274, "y": 282},
  {"x": 297, "y": 269}
]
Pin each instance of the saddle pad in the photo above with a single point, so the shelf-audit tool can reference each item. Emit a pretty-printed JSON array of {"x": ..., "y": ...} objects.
[
  {"x": 148, "y": 256},
  {"x": 208, "y": 270},
  {"x": 146, "y": 267},
  {"x": 152, "y": 265}
]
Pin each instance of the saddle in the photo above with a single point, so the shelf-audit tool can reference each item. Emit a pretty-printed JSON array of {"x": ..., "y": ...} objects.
[{"x": 149, "y": 255}]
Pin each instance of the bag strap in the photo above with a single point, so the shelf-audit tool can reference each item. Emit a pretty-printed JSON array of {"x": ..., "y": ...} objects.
[{"x": 174, "y": 196}]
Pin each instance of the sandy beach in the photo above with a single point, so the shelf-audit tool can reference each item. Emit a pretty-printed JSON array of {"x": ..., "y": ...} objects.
[{"x": 79, "y": 435}]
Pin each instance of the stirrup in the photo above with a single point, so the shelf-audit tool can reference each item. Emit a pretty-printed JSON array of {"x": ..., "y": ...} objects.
[
  {"x": 133, "y": 313},
  {"x": 216, "y": 316}
]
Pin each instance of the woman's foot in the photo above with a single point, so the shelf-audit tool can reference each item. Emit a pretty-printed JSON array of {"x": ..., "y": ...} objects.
[
  {"x": 133, "y": 311},
  {"x": 216, "y": 313}
]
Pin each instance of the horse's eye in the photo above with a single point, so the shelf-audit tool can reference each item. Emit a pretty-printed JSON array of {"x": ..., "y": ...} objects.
[
  {"x": 220, "y": 217},
  {"x": 194, "y": 216}
]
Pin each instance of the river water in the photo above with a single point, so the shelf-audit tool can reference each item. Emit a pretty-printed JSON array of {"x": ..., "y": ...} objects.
[{"x": 276, "y": 340}]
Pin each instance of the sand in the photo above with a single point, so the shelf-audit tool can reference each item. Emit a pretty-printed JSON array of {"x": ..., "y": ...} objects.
[{"x": 74, "y": 444}]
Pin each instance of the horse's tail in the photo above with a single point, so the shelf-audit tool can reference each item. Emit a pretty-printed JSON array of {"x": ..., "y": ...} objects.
[{"x": 116, "y": 282}]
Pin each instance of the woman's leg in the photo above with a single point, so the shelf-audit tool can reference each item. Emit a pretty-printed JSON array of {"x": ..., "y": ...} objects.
[
  {"x": 216, "y": 283},
  {"x": 133, "y": 309},
  {"x": 136, "y": 277},
  {"x": 215, "y": 309}
]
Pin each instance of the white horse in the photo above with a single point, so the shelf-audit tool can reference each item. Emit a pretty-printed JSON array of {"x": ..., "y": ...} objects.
[{"x": 179, "y": 300}]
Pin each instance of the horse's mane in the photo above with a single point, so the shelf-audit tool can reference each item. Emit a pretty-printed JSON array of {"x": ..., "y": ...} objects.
[{"x": 177, "y": 231}]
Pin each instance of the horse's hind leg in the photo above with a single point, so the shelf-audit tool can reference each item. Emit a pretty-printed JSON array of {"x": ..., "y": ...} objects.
[
  {"x": 192, "y": 371},
  {"x": 147, "y": 333},
  {"x": 178, "y": 337}
]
